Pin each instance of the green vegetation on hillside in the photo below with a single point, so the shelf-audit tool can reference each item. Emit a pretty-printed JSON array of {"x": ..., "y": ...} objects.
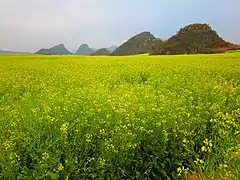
[
  {"x": 138, "y": 44},
  {"x": 136, "y": 117}
]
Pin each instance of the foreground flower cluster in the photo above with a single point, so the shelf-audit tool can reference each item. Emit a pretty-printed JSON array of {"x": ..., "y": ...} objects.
[{"x": 135, "y": 117}]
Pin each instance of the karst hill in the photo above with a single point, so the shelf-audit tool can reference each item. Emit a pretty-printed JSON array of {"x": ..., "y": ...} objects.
[
  {"x": 55, "y": 50},
  {"x": 194, "y": 39},
  {"x": 138, "y": 44}
]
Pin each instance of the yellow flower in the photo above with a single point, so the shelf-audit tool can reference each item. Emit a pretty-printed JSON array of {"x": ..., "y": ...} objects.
[
  {"x": 203, "y": 148},
  {"x": 185, "y": 141},
  {"x": 64, "y": 128},
  {"x": 179, "y": 169},
  {"x": 34, "y": 110},
  {"x": 225, "y": 165},
  {"x": 60, "y": 167},
  {"x": 102, "y": 131},
  {"x": 45, "y": 156}
]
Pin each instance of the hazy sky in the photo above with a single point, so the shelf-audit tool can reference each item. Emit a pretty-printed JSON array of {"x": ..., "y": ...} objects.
[{"x": 28, "y": 25}]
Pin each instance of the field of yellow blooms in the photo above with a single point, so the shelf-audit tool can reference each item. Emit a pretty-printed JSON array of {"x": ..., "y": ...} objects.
[{"x": 134, "y": 117}]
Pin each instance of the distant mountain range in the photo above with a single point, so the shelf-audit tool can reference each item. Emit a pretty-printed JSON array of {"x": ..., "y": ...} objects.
[
  {"x": 12, "y": 52},
  {"x": 191, "y": 39},
  {"x": 83, "y": 49}
]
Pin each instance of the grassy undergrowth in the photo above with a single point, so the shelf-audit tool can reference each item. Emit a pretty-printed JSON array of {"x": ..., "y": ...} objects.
[{"x": 135, "y": 117}]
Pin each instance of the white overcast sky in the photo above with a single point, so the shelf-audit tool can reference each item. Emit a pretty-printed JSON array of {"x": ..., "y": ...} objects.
[{"x": 28, "y": 25}]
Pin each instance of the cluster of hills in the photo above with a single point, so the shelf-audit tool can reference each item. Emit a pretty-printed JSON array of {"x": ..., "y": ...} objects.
[
  {"x": 84, "y": 49},
  {"x": 191, "y": 39}
]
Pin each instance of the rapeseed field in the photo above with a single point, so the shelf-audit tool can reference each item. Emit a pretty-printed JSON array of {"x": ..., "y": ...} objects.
[{"x": 133, "y": 117}]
